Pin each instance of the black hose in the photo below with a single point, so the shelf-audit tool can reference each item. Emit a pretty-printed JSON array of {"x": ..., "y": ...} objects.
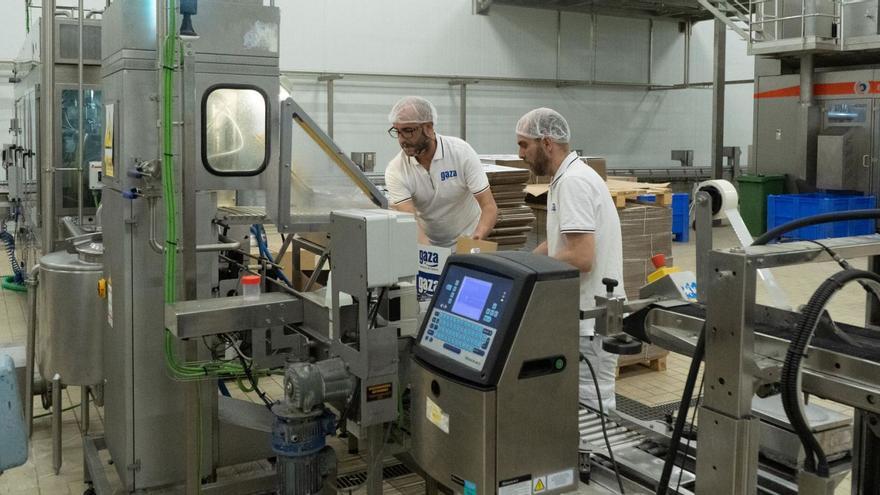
[
  {"x": 602, "y": 422},
  {"x": 814, "y": 220},
  {"x": 683, "y": 407},
  {"x": 815, "y": 460}
]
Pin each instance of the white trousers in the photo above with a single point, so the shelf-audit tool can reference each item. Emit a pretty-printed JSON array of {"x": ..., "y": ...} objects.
[{"x": 605, "y": 365}]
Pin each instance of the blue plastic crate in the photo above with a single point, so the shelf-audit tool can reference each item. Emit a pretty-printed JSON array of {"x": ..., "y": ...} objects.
[
  {"x": 680, "y": 217},
  {"x": 647, "y": 198},
  {"x": 783, "y": 208}
]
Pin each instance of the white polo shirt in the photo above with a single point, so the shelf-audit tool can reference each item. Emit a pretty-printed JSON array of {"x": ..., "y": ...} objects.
[
  {"x": 444, "y": 197},
  {"x": 579, "y": 202}
]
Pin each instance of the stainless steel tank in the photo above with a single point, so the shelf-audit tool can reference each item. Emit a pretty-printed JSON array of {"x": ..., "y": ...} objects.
[{"x": 71, "y": 315}]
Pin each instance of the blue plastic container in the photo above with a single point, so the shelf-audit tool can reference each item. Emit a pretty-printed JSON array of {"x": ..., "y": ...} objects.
[
  {"x": 783, "y": 208},
  {"x": 680, "y": 217},
  {"x": 13, "y": 438},
  {"x": 647, "y": 198}
]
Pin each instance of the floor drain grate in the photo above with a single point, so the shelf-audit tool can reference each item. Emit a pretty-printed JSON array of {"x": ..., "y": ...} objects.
[{"x": 353, "y": 480}]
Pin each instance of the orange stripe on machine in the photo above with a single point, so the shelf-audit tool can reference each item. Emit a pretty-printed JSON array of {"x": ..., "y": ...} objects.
[{"x": 826, "y": 89}]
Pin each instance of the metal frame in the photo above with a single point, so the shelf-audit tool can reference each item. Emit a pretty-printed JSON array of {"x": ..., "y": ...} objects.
[{"x": 291, "y": 112}]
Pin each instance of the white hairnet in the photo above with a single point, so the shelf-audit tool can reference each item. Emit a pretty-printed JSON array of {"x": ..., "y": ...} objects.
[
  {"x": 544, "y": 122},
  {"x": 412, "y": 110}
]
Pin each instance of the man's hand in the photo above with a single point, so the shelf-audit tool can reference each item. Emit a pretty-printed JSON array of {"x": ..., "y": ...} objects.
[{"x": 488, "y": 215}]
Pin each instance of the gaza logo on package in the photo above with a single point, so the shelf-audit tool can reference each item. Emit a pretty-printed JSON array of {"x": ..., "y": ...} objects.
[
  {"x": 448, "y": 174},
  {"x": 429, "y": 259}
]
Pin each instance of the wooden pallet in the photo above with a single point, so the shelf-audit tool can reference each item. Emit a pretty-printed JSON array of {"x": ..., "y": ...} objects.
[
  {"x": 622, "y": 191},
  {"x": 656, "y": 364}
]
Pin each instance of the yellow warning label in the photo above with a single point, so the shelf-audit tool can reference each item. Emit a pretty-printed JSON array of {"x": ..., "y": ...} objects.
[{"x": 539, "y": 485}]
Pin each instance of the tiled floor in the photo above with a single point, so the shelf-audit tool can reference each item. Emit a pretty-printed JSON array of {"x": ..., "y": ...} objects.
[{"x": 637, "y": 382}]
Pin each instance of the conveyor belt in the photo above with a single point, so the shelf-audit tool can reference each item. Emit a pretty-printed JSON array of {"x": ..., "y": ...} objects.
[{"x": 867, "y": 348}]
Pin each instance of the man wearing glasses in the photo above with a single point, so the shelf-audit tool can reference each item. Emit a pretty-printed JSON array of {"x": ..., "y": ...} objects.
[{"x": 437, "y": 178}]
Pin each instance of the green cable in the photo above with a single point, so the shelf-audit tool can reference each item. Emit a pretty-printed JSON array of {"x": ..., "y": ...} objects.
[{"x": 8, "y": 283}]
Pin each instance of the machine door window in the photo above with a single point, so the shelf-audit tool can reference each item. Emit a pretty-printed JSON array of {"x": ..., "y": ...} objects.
[
  {"x": 846, "y": 114},
  {"x": 235, "y": 124},
  {"x": 93, "y": 126}
]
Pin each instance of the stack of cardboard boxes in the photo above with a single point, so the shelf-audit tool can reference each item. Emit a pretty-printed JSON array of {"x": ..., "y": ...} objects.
[
  {"x": 515, "y": 218},
  {"x": 646, "y": 231}
]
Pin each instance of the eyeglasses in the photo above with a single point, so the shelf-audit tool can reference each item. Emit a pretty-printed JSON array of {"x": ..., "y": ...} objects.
[{"x": 406, "y": 132}]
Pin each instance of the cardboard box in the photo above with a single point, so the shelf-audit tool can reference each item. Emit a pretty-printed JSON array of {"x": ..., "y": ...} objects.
[
  {"x": 540, "y": 211},
  {"x": 432, "y": 260},
  {"x": 308, "y": 261}
]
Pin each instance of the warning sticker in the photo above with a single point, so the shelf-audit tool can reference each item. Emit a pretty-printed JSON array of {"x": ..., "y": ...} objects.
[
  {"x": 560, "y": 479},
  {"x": 379, "y": 392},
  {"x": 521, "y": 485},
  {"x": 436, "y": 415},
  {"x": 539, "y": 485}
]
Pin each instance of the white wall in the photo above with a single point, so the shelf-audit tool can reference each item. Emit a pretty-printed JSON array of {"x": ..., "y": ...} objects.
[{"x": 632, "y": 127}]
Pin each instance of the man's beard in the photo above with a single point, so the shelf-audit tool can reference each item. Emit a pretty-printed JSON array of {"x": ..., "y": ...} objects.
[
  {"x": 418, "y": 147},
  {"x": 541, "y": 163}
]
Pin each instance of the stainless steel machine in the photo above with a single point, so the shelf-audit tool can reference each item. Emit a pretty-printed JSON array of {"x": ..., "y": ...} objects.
[
  {"x": 484, "y": 361},
  {"x": 54, "y": 136}
]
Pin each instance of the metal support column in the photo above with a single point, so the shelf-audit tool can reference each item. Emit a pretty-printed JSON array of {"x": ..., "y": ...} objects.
[
  {"x": 703, "y": 222},
  {"x": 31, "y": 350},
  {"x": 462, "y": 106},
  {"x": 57, "y": 411},
  {"x": 329, "y": 79},
  {"x": 866, "y": 425},
  {"x": 80, "y": 142},
  {"x": 188, "y": 238},
  {"x": 728, "y": 465},
  {"x": 809, "y": 119},
  {"x": 376, "y": 443},
  {"x": 718, "y": 78},
  {"x": 47, "y": 127}
]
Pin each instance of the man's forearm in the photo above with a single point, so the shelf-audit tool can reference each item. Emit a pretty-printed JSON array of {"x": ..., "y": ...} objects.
[
  {"x": 488, "y": 217},
  {"x": 541, "y": 249},
  {"x": 572, "y": 258}
]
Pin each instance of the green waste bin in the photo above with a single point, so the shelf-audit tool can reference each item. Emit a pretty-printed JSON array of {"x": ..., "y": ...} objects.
[{"x": 753, "y": 192}]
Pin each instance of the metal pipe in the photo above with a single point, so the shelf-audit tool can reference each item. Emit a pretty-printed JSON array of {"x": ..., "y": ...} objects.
[
  {"x": 226, "y": 245},
  {"x": 84, "y": 402},
  {"x": 594, "y": 44},
  {"x": 720, "y": 54},
  {"x": 489, "y": 79},
  {"x": 80, "y": 142},
  {"x": 56, "y": 423},
  {"x": 47, "y": 127},
  {"x": 558, "y": 42},
  {"x": 650, "y": 51},
  {"x": 330, "y": 110},
  {"x": 74, "y": 229},
  {"x": 32, "y": 282},
  {"x": 687, "y": 52},
  {"x": 806, "y": 72},
  {"x": 463, "y": 112}
]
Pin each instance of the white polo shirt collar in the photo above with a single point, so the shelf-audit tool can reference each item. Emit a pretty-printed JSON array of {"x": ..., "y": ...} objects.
[{"x": 566, "y": 162}]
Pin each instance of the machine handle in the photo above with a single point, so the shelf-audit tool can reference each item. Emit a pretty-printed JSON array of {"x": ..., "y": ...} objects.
[
  {"x": 609, "y": 284},
  {"x": 866, "y": 161}
]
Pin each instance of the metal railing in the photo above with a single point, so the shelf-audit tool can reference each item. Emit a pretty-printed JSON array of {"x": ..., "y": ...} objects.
[{"x": 772, "y": 13}]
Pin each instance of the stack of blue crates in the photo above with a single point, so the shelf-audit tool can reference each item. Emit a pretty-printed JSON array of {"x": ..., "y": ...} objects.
[
  {"x": 784, "y": 208},
  {"x": 680, "y": 214},
  {"x": 681, "y": 217}
]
